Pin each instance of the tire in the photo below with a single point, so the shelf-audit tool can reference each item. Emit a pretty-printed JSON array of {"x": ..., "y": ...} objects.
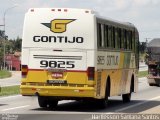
[
  {"x": 52, "y": 103},
  {"x": 103, "y": 103},
  {"x": 126, "y": 97},
  {"x": 42, "y": 101},
  {"x": 150, "y": 84},
  {"x": 45, "y": 102}
]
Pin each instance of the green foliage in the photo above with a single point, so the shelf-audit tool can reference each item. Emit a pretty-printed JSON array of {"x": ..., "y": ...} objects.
[
  {"x": 5, "y": 74},
  {"x": 142, "y": 57},
  {"x": 11, "y": 46},
  {"x": 11, "y": 90},
  {"x": 142, "y": 47},
  {"x": 142, "y": 74}
]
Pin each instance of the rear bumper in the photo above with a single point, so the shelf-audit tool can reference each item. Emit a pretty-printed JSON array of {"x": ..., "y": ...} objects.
[{"x": 60, "y": 91}]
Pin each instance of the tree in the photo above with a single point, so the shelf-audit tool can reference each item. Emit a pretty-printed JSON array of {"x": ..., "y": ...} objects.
[
  {"x": 11, "y": 46},
  {"x": 142, "y": 47}
]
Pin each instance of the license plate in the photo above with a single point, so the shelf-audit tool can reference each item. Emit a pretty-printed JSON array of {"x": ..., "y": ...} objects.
[
  {"x": 57, "y": 75},
  {"x": 57, "y": 81}
]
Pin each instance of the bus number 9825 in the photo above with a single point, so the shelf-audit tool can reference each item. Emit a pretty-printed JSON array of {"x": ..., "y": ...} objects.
[{"x": 57, "y": 64}]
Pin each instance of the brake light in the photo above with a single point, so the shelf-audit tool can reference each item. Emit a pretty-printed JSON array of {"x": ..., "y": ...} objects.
[
  {"x": 90, "y": 73},
  {"x": 24, "y": 70}
]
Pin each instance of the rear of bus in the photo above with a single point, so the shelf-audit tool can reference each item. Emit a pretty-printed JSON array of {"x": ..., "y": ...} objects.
[{"x": 58, "y": 55}]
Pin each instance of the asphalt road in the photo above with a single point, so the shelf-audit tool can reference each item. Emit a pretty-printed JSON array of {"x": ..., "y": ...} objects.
[{"x": 146, "y": 100}]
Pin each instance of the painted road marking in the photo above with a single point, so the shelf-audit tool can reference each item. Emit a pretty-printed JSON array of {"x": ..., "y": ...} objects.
[
  {"x": 15, "y": 108},
  {"x": 135, "y": 105},
  {"x": 8, "y": 97}
]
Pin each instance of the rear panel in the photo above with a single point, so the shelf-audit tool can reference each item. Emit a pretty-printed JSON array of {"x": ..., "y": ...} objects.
[
  {"x": 58, "y": 53},
  {"x": 59, "y": 29}
]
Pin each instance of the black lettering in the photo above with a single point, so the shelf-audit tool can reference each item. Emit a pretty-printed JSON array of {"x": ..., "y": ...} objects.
[
  {"x": 116, "y": 60},
  {"x": 36, "y": 38},
  {"x": 57, "y": 64},
  {"x": 79, "y": 39},
  {"x": 112, "y": 60},
  {"x": 73, "y": 41},
  {"x": 44, "y": 63},
  {"x": 60, "y": 38},
  {"x": 66, "y": 39},
  {"x": 52, "y": 38},
  {"x": 44, "y": 39},
  {"x": 101, "y": 60}
]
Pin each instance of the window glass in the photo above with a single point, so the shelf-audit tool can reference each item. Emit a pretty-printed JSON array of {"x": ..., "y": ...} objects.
[
  {"x": 122, "y": 38},
  {"x": 125, "y": 39},
  {"x": 116, "y": 38},
  {"x": 113, "y": 37},
  {"x": 119, "y": 38},
  {"x": 109, "y": 36},
  {"x": 99, "y": 38},
  {"x": 102, "y": 36},
  {"x": 128, "y": 43},
  {"x": 106, "y": 36},
  {"x": 133, "y": 41}
]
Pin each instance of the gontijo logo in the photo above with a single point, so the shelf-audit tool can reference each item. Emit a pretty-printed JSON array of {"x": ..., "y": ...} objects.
[{"x": 58, "y": 25}]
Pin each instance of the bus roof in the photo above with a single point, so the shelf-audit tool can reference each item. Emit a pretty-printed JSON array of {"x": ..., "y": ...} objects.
[
  {"x": 89, "y": 11},
  {"x": 62, "y": 10},
  {"x": 115, "y": 22}
]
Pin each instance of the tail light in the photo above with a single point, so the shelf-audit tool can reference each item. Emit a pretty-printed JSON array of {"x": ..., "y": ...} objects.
[
  {"x": 90, "y": 73},
  {"x": 24, "y": 70}
]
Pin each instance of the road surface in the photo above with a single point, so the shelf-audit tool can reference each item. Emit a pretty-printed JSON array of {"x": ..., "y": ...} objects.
[
  {"x": 14, "y": 80},
  {"x": 146, "y": 100}
]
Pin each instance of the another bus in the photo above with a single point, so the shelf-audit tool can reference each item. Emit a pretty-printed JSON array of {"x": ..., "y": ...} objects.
[{"x": 74, "y": 54}]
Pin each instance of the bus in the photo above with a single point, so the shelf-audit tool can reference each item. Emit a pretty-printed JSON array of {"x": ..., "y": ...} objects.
[{"x": 75, "y": 54}]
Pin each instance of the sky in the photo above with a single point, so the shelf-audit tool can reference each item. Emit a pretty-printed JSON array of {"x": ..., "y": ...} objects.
[{"x": 144, "y": 14}]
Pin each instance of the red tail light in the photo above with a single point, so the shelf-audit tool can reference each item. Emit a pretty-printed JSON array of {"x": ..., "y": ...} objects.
[
  {"x": 90, "y": 73},
  {"x": 24, "y": 70}
]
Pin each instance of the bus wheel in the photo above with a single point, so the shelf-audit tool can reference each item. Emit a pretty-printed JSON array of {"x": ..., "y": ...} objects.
[
  {"x": 150, "y": 84},
  {"x": 126, "y": 97},
  {"x": 102, "y": 103},
  {"x": 52, "y": 103},
  {"x": 42, "y": 101}
]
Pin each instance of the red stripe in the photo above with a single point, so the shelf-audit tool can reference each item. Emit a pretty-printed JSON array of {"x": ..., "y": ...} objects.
[{"x": 66, "y": 70}]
